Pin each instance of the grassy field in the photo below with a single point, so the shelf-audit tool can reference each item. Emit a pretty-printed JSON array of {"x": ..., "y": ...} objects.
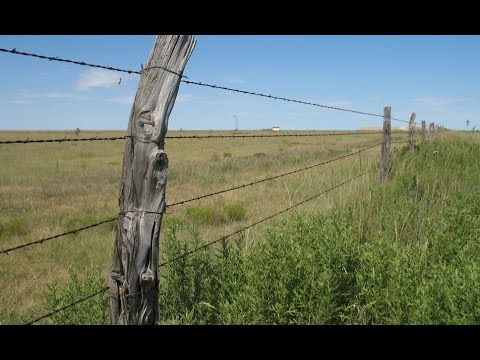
[{"x": 50, "y": 188}]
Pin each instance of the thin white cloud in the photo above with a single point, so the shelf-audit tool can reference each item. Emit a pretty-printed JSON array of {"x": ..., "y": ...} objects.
[
  {"x": 128, "y": 99},
  {"x": 181, "y": 98},
  {"x": 375, "y": 98},
  {"x": 437, "y": 102},
  {"x": 221, "y": 102},
  {"x": 338, "y": 103},
  {"x": 98, "y": 78},
  {"x": 195, "y": 99},
  {"x": 53, "y": 95},
  {"x": 21, "y": 101},
  {"x": 329, "y": 102},
  {"x": 235, "y": 80}
]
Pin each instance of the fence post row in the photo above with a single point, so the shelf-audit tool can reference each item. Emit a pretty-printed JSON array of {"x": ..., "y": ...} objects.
[
  {"x": 133, "y": 279},
  {"x": 411, "y": 132},
  {"x": 384, "y": 164}
]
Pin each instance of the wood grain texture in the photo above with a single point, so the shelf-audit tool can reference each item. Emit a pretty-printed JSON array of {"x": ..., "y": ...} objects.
[
  {"x": 411, "y": 132},
  {"x": 384, "y": 162},
  {"x": 133, "y": 274}
]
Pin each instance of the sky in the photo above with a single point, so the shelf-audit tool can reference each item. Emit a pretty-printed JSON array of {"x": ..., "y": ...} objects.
[{"x": 436, "y": 76}]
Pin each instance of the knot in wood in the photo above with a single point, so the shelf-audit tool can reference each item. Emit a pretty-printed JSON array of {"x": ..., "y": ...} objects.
[{"x": 147, "y": 276}]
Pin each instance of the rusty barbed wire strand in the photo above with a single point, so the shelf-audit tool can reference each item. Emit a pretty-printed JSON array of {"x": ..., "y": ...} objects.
[
  {"x": 198, "y": 83},
  {"x": 51, "y": 313},
  {"x": 6, "y": 251},
  {"x": 261, "y": 221},
  {"x": 272, "y": 177},
  {"x": 201, "y": 248},
  {"x": 83, "y": 63},
  {"x": 60, "y": 140}
]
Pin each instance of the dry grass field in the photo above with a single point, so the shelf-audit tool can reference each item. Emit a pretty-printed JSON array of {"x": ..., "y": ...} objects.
[{"x": 50, "y": 188}]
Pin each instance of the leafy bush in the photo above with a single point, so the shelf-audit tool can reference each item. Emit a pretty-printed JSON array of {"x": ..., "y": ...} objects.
[{"x": 91, "y": 311}]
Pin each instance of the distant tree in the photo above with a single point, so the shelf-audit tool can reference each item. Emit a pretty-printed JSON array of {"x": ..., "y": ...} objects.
[
  {"x": 468, "y": 123},
  {"x": 77, "y": 131}
]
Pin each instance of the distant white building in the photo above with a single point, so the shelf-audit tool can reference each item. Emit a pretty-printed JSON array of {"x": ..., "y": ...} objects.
[{"x": 276, "y": 128}]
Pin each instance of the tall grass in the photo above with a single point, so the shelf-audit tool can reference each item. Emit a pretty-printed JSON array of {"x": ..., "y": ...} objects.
[
  {"x": 403, "y": 252},
  {"x": 408, "y": 254}
]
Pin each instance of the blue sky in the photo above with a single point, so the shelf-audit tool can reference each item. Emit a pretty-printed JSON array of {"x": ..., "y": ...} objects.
[{"x": 437, "y": 77}]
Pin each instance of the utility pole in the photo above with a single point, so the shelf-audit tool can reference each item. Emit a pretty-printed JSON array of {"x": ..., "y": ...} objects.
[{"x": 236, "y": 122}]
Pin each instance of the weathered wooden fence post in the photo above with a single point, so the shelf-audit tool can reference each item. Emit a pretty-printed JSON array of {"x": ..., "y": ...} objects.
[
  {"x": 430, "y": 131},
  {"x": 423, "y": 130},
  {"x": 411, "y": 132},
  {"x": 384, "y": 165},
  {"x": 133, "y": 278}
]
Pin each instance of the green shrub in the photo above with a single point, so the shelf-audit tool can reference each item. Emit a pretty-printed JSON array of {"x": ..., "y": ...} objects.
[
  {"x": 91, "y": 311},
  {"x": 409, "y": 254}
]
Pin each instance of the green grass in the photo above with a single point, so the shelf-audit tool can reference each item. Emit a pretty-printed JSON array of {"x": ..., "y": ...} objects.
[
  {"x": 91, "y": 311},
  {"x": 363, "y": 253},
  {"x": 216, "y": 215},
  {"x": 408, "y": 254}
]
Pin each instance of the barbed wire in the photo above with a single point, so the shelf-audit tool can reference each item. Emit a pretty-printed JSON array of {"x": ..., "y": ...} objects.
[
  {"x": 271, "y": 178},
  {"x": 60, "y": 140},
  {"x": 6, "y": 251},
  {"x": 269, "y": 135},
  {"x": 198, "y": 83},
  {"x": 405, "y": 121},
  {"x": 261, "y": 221},
  {"x": 56, "y": 58},
  {"x": 51, "y": 313}
]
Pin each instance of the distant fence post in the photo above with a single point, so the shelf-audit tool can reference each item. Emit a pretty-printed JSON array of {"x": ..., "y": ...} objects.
[
  {"x": 384, "y": 164},
  {"x": 423, "y": 130},
  {"x": 133, "y": 280},
  {"x": 411, "y": 132}
]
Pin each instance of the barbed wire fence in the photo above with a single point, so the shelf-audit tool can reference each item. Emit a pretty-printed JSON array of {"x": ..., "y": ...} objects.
[
  {"x": 186, "y": 80},
  {"x": 198, "y": 83}
]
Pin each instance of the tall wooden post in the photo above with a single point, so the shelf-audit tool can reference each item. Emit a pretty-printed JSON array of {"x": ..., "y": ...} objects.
[
  {"x": 411, "y": 132},
  {"x": 384, "y": 165},
  {"x": 133, "y": 274},
  {"x": 423, "y": 130},
  {"x": 430, "y": 131}
]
